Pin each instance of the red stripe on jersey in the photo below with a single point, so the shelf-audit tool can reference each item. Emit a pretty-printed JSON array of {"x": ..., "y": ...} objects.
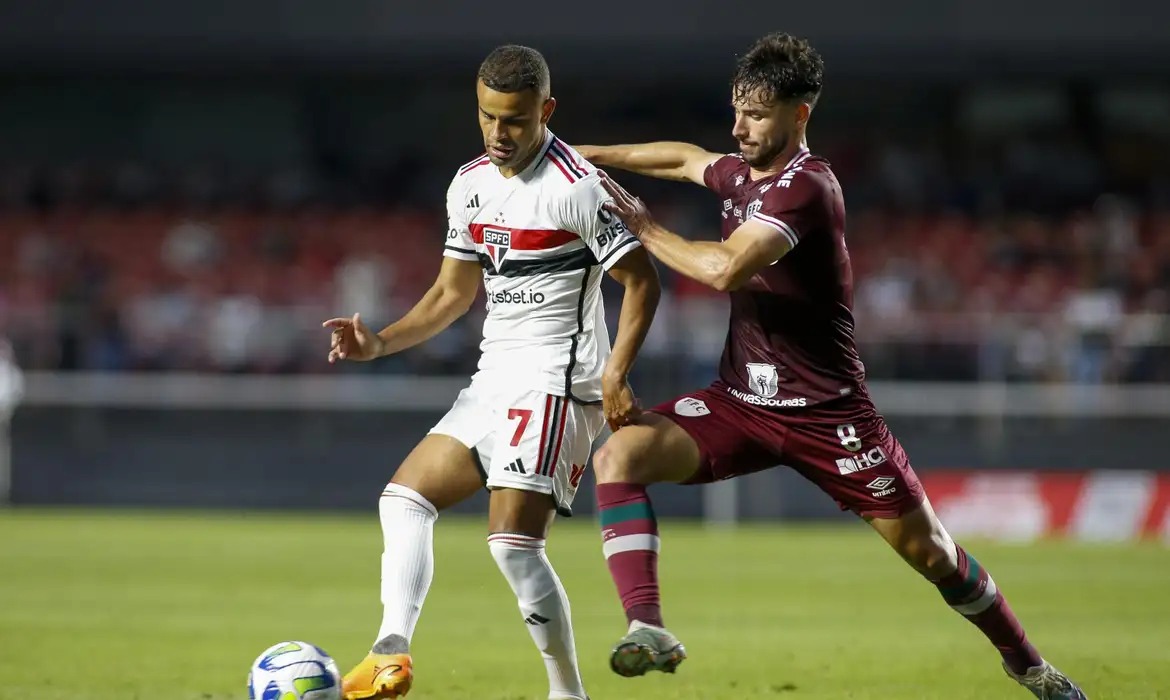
[
  {"x": 468, "y": 167},
  {"x": 552, "y": 158},
  {"x": 583, "y": 165},
  {"x": 527, "y": 238}
]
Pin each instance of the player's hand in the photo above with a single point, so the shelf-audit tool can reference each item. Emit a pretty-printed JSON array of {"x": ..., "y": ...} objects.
[
  {"x": 618, "y": 402},
  {"x": 353, "y": 340},
  {"x": 630, "y": 209}
]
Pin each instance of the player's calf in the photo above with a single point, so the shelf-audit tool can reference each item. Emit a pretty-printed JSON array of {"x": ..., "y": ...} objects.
[
  {"x": 964, "y": 584},
  {"x": 519, "y": 522},
  {"x": 654, "y": 450}
]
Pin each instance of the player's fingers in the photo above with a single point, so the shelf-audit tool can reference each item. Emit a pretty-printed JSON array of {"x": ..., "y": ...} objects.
[
  {"x": 621, "y": 197},
  {"x": 615, "y": 190},
  {"x": 622, "y": 208},
  {"x": 336, "y": 323},
  {"x": 610, "y": 186},
  {"x": 620, "y": 191}
]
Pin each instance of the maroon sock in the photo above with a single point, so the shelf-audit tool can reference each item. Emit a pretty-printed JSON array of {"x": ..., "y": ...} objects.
[
  {"x": 973, "y": 594},
  {"x": 629, "y": 535}
]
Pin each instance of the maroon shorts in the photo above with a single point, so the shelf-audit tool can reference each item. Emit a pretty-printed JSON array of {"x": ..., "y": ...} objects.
[{"x": 843, "y": 446}]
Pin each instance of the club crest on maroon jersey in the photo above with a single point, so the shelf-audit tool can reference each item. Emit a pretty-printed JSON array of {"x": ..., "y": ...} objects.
[
  {"x": 752, "y": 208},
  {"x": 763, "y": 378}
]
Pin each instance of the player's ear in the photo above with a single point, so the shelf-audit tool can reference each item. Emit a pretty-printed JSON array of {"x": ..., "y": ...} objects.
[
  {"x": 803, "y": 112},
  {"x": 546, "y": 111}
]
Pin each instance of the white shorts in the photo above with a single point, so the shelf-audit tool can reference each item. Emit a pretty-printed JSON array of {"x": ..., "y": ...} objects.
[{"x": 524, "y": 439}]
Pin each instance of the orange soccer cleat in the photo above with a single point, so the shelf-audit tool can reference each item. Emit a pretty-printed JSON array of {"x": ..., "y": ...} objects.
[{"x": 379, "y": 676}]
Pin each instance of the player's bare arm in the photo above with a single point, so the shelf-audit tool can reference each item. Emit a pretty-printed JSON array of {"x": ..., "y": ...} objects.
[
  {"x": 449, "y": 297},
  {"x": 636, "y": 273},
  {"x": 667, "y": 160},
  {"x": 724, "y": 266}
]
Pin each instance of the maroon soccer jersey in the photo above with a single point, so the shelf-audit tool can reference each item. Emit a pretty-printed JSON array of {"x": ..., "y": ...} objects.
[{"x": 790, "y": 342}]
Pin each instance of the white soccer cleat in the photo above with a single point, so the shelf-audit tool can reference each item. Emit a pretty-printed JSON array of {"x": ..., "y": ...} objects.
[
  {"x": 1048, "y": 683},
  {"x": 646, "y": 648}
]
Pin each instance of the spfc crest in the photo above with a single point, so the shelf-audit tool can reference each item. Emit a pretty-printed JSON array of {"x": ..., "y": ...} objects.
[
  {"x": 497, "y": 242},
  {"x": 763, "y": 378}
]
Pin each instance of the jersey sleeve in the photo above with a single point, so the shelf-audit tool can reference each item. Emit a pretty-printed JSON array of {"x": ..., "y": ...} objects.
[
  {"x": 792, "y": 207},
  {"x": 719, "y": 173},
  {"x": 604, "y": 233},
  {"x": 459, "y": 244}
]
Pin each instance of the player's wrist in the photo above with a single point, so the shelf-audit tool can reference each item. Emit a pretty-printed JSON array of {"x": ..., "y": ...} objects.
[
  {"x": 381, "y": 345},
  {"x": 615, "y": 374}
]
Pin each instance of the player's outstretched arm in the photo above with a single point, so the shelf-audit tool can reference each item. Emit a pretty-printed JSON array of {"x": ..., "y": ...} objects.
[
  {"x": 668, "y": 160},
  {"x": 448, "y": 298},
  {"x": 724, "y": 266},
  {"x": 636, "y": 273}
]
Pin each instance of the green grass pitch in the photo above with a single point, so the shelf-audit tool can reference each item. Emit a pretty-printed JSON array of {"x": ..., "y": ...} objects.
[{"x": 174, "y": 606}]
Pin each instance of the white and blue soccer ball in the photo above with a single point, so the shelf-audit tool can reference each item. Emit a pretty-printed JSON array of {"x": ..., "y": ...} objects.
[{"x": 294, "y": 671}]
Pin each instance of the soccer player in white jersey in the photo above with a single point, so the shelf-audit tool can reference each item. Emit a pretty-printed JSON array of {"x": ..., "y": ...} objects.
[{"x": 527, "y": 216}]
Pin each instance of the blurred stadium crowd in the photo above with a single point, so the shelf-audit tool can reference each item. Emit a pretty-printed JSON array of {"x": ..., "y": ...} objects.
[{"x": 1003, "y": 237}]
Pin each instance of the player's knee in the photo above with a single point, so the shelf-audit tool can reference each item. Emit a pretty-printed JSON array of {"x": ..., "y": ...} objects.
[
  {"x": 402, "y": 502},
  {"x": 931, "y": 553},
  {"x": 522, "y": 561},
  {"x": 614, "y": 462}
]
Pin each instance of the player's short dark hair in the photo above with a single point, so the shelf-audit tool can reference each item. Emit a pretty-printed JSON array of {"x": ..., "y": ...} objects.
[
  {"x": 780, "y": 67},
  {"x": 513, "y": 68}
]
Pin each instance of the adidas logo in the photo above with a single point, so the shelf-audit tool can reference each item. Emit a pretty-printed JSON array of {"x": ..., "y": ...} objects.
[
  {"x": 535, "y": 619},
  {"x": 473, "y": 203},
  {"x": 516, "y": 467}
]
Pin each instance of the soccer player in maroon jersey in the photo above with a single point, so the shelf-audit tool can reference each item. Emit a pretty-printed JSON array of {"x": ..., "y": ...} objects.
[{"x": 791, "y": 386}]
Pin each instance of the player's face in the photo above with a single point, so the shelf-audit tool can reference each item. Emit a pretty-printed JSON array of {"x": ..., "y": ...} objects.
[
  {"x": 765, "y": 128},
  {"x": 512, "y": 123}
]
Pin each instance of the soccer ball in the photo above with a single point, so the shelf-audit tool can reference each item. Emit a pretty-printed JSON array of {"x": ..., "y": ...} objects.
[{"x": 294, "y": 671}]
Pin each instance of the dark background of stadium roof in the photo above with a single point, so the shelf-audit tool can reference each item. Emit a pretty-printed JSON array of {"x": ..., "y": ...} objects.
[{"x": 669, "y": 37}]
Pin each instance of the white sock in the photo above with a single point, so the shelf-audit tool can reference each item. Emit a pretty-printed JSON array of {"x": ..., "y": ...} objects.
[
  {"x": 544, "y": 606},
  {"x": 408, "y": 560}
]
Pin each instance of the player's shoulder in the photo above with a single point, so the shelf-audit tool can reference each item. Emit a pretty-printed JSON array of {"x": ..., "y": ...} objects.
[
  {"x": 807, "y": 174},
  {"x": 727, "y": 164},
  {"x": 466, "y": 175},
  {"x": 569, "y": 181},
  {"x": 464, "y": 171},
  {"x": 726, "y": 173},
  {"x": 565, "y": 170},
  {"x": 471, "y": 170}
]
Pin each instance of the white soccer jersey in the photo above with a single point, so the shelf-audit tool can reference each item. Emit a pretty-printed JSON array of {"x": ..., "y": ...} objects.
[{"x": 544, "y": 242}]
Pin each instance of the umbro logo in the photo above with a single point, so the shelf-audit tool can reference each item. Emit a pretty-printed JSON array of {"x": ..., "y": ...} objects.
[
  {"x": 882, "y": 486},
  {"x": 516, "y": 467},
  {"x": 473, "y": 203},
  {"x": 535, "y": 619}
]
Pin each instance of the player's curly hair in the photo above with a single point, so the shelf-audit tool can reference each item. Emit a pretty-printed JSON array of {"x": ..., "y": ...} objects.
[
  {"x": 513, "y": 68},
  {"x": 779, "y": 67}
]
